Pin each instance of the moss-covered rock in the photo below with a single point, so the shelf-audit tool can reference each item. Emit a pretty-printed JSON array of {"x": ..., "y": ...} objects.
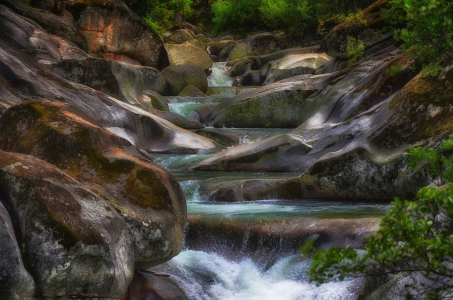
[
  {"x": 191, "y": 91},
  {"x": 147, "y": 197},
  {"x": 223, "y": 137},
  {"x": 179, "y": 36},
  {"x": 258, "y": 44},
  {"x": 73, "y": 242},
  {"x": 215, "y": 48},
  {"x": 188, "y": 54},
  {"x": 179, "y": 77}
]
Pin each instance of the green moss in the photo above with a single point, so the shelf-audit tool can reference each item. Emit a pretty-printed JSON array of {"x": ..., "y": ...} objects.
[{"x": 147, "y": 190}]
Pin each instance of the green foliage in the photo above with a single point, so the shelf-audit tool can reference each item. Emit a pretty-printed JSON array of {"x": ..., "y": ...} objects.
[
  {"x": 355, "y": 50},
  {"x": 292, "y": 16},
  {"x": 354, "y": 19},
  {"x": 150, "y": 22},
  {"x": 413, "y": 237},
  {"x": 436, "y": 164},
  {"x": 429, "y": 29}
]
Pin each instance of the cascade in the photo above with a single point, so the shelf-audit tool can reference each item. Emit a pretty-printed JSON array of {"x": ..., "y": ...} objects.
[{"x": 241, "y": 250}]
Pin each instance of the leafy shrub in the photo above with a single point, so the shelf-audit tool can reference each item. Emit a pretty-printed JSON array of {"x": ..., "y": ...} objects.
[
  {"x": 413, "y": 237},
  {"x": 428, "y": 29},
  {"x": 355, "y": 50}
]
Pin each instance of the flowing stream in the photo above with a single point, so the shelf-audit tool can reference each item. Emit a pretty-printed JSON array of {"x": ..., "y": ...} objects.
[{"x": 210, "y": 274}]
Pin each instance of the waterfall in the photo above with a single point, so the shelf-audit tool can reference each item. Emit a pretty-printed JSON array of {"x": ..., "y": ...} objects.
[
  {"x": 210, "y": 276},
  {"x": 219, "y": 75}
]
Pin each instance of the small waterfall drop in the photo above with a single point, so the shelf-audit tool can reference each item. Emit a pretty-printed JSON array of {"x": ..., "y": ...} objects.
[
  {"x": 219, "y": 75},
  {"x": 210, "y": 276}
]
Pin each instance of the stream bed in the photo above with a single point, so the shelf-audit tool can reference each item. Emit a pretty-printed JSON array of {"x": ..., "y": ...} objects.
[{"x": 229, "y": 267}]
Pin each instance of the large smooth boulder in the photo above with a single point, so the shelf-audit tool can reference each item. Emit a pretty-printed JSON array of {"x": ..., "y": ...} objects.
[
  {"x": 188, "y": 54},
  {"x": 75, "y": 242},
  {"x": 61, "y": 24},
  {"x": 294, "y": 65},
  {"x": 147, "y": 197},
  {"x": 277, "y": 105},
  {"x": 22, "y": 77},
  {"x": 179, "y": 36},
  {"x": 120, "y": 80},
  {"x": 181, "y": 76},
  {"x": 112, "y": 29},
  {"x": 15, "y": 281},
  {"x": 258, "y": 44}
]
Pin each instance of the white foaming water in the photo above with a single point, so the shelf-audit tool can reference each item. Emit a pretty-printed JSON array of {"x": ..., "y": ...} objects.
[
  {"x": 219, "y": 75},
  {"x": 209, "y": 276},
  {"x": 191, "y": 189}
]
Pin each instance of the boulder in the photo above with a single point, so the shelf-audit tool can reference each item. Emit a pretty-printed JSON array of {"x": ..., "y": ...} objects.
[
  {"x": 277, "y": 105},
  {"x": 147, "y": 197},
  {"x": 180, "y": 76},
  {"x": 188, "y": 54},
  {"x": 22, "y": 77},
  {"x": 294, "y": 65},
  {"x": 147, "y": 286},
  {"x": 373, "y": 34},
  {"x": 258, "y": 44},
  {"x": 120, "y": 80},
  {"x": 251, "y": 63},
  {"x": 191, "y": 91},
  {"x": 179, "y": 36},
  {"x": 222, "y": 137},
  {"x": 223, "y": 55},
  {"x": 196, "y": 43},
  {"x": 157, "y": 101},
  {"x": 200, "y": 37},
  {"x": 74, "y": 240},
  {"x": 215, "y": 48},
  {"x": 180, "y": 121},
  {"x": 15, "y": 281},
  {"x": 61, "y": 25},
  {"x": 187, "y": 26},
  {"x": 112, "y": 28}
]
